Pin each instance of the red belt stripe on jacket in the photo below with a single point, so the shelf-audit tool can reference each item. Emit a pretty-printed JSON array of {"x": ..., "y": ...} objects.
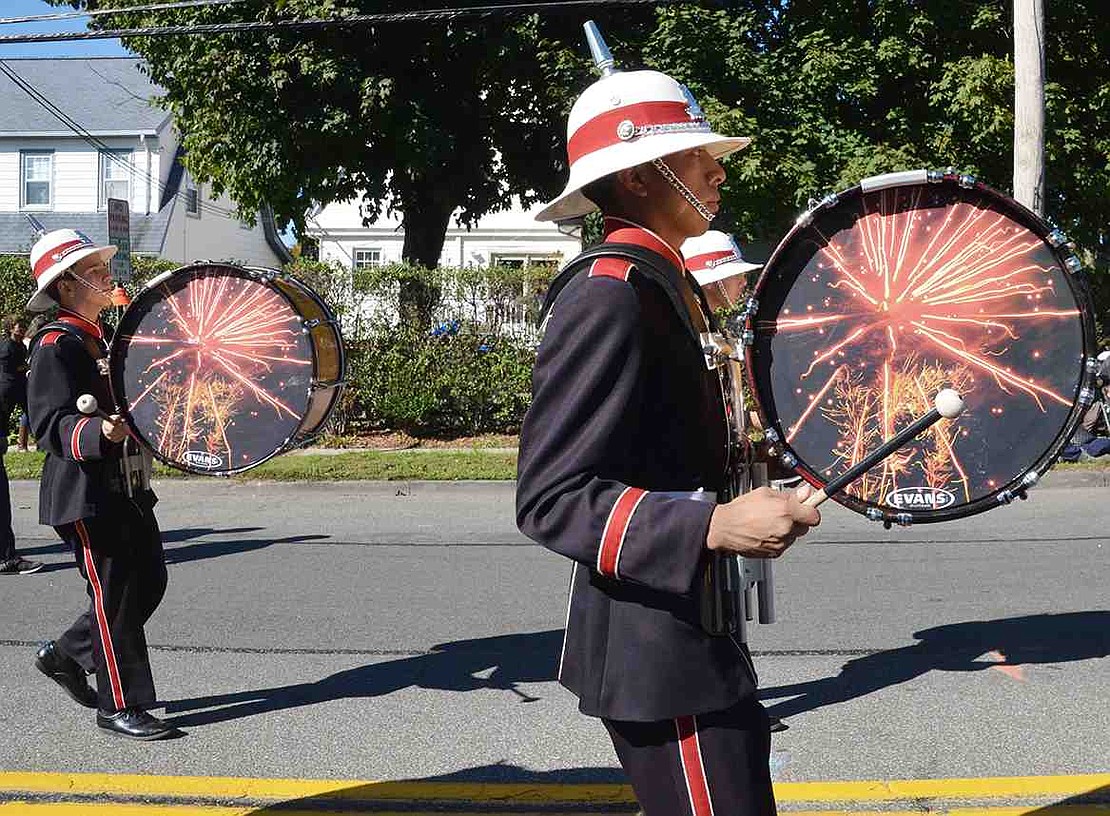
[{"x": 616, "y": 527}]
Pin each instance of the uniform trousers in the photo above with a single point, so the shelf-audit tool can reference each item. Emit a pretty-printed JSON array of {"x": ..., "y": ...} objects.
[
  {"x": 119, "y": 553},
  {"x": 7, "y": 537},
  {"x": 715, "y": 764}
]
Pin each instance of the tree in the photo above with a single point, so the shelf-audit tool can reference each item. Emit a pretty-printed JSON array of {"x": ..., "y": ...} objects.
[
  {"x": 834, "y": 92},
  {"x": 425, "y": 118}
]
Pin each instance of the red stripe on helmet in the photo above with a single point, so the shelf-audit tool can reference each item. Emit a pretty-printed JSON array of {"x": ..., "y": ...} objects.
[
  {"x": 56, "y": 254},
  {"x": 602, "y": 130},
  {"x": 700, "y": 262}
]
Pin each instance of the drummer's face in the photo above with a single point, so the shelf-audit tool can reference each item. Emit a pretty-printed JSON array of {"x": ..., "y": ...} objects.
[
  {"x": 95, "y": 272},
  {"x": 703, "y": 174}
]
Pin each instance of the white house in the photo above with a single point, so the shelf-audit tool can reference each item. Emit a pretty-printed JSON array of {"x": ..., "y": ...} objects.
[
  {"x": 511, "y": 237},
  {"x": 76, "y": 132}
]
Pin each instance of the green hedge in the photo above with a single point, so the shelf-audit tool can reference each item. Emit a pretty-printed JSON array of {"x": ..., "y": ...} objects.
[{"x": 443, "y": 352}]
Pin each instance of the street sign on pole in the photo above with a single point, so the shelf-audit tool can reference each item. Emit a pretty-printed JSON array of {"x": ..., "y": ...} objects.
[{"x": 119, "y": 234}]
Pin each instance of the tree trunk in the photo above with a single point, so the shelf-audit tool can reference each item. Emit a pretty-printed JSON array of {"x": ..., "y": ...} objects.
[
  {"x": 1029, "y": 168},
  {"x": 425, "y": 225}
]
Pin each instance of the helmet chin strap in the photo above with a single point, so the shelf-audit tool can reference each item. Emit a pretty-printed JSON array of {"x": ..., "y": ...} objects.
[
  {"x": 666, "y": 172},
  {"x": 88, "y": 285}
]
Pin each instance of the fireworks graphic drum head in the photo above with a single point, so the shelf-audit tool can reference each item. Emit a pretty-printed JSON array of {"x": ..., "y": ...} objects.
[
  {"x": 214, "y": 367},
  {"x": 885, "y": 297}
]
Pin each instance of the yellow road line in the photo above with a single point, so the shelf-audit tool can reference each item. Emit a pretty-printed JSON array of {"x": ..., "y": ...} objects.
[
  {"x": 87, "y": 809},
  {"x": 247, "y": 789}
]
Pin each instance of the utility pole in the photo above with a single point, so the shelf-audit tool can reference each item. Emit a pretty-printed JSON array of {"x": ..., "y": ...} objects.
[{"x": 1029, "y": 104}]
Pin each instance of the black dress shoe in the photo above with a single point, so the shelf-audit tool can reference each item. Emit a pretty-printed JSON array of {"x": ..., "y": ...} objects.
[
  {"x": 134, "y": 723},
  {"x": 64, "y": 671}
]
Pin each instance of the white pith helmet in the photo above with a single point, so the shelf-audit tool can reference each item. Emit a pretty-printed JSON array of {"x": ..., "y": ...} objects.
[
  {"x": 714, "y": 256},
  {"x": 53, "y": 254},
  {"x": 626, "y": 119}
]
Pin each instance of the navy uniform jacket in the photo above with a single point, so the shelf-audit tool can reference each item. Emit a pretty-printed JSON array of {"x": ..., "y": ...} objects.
[
  {"x": 624, "y": 412},
  {"x": 81, "y": 476}
]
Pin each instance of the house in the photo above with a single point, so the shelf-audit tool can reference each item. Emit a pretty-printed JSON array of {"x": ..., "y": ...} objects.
[
  {"x": 511, "y": 237},
  {"x": 75, "y": 132}
]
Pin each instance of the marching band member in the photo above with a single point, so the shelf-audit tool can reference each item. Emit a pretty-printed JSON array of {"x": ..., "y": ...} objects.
[
  {"x": 624, "y": 450},
  {"x": 90, "y": 497},
  {"x": 715, "y": 261}
]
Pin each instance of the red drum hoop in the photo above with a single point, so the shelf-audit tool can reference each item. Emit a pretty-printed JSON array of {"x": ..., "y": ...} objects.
[
  {"x": 905, "y": 284},
  {"x": 217, "y": 368}
]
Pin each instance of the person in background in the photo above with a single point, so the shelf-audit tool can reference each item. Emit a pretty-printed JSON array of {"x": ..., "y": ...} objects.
[
  {"x": 13, "y": 394},
  {"x": 715, "y": 261}
]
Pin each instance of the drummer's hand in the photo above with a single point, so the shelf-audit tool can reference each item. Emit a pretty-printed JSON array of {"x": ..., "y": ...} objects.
[
  {"x": 115, "y": 429},
  {"x": 763, "y": 523}
]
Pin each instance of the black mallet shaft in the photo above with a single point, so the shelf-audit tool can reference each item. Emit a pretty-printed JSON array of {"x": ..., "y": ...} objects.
[{"x": 948, "y": 405}]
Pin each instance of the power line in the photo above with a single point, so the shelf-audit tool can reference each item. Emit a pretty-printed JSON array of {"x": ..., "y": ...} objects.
[
  {"x": 100, "y": 146},
  {"x": 314, "y": 24},
  {"x": 68, "y": 15}
]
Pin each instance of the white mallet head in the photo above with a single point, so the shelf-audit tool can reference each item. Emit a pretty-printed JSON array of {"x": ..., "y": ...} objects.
[
  {"x": 949, "y": 403},
  {"x": 87, "y": 404}
]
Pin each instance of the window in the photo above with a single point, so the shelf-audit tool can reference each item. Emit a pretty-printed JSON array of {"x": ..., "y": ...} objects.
[
  {"x": 115, "y": 176},
  {"x": 192, "y": 201},
  {"x": 366, "y": 258},
  {"x": 38, "y": 179},
  {"x": 524, "y": 260}
]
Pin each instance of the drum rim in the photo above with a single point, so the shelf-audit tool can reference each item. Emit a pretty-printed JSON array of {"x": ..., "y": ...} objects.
[
  {"x": 257, "y": 274},
  {"x": 1017, "y": 486}
]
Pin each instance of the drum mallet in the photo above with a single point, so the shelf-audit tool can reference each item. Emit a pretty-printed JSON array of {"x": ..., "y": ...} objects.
[
  {"x": 948, "y": 405},
  {"x": 87, "y": 404}
]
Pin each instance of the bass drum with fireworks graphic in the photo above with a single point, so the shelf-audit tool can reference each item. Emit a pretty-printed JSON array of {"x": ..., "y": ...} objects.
[
  {"x": 906, "y": 284},
  {"x": 218, "y": 368}
]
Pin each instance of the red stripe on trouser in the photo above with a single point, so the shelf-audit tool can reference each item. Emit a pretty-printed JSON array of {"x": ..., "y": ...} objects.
[
  {"x": 101, "y": 618},
  {"x": 612, "y": 538},
  {"x": 693, "y": 769}
]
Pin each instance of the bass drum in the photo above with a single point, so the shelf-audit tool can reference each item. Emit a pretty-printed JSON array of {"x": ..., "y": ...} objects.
[
  {"x": 890, "y": 291},
  {"x": 217, "y": 368}
]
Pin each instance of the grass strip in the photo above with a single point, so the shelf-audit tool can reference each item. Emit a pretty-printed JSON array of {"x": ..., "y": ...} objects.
[{"x": 424, "y": 465}]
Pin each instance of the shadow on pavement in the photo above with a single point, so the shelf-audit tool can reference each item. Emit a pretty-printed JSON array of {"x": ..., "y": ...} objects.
[
  {"x": 498, "y": 663},
  {"x": 187, "y": 533},
  {"x": 1006, "y": 643},
  {"x": 214, "y": 549},
  {"x": 394, "y": 796},
  {"x": 1094, "y": 801}
]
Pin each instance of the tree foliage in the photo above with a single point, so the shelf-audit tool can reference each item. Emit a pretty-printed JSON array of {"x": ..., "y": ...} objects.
[
  {"x": 424, "y": 118},
  {"x": 835, "y": 92}
]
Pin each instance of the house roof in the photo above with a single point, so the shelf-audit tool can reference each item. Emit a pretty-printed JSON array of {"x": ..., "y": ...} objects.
[
  {"x": 148, "y": 232},
  {"x": 105, "y": 95}
]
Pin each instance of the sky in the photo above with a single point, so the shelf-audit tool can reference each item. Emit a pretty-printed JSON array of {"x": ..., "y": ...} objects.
[{"x": 76, "y": 48}]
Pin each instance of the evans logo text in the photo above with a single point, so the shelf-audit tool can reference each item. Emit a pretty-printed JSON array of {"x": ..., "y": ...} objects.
[
  {"x": 921, "y": 498},
  {"x": 203, "y": 460}
]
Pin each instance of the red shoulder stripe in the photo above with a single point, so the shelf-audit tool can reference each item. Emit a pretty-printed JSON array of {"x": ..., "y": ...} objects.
[
  {"x": 610, "y": 268},
  {"x": 50, "y": 338}
]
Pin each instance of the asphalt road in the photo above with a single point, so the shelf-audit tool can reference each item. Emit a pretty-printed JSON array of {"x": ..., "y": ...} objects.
[{"x": 408, "y": 631}]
